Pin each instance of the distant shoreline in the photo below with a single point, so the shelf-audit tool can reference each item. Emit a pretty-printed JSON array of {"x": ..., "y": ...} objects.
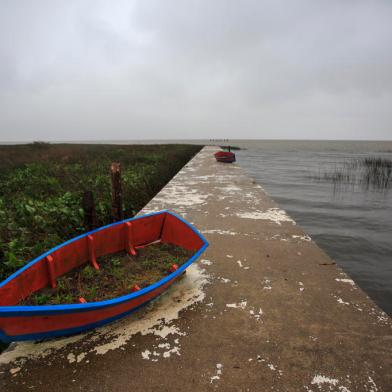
[{"x": 193, "y": 141}]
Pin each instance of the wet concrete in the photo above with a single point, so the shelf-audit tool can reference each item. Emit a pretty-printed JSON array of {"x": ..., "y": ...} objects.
[{"x": 264, "y": 309}]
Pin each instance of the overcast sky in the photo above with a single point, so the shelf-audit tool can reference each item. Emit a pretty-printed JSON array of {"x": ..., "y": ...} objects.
[{"x": 294, "y": 69}]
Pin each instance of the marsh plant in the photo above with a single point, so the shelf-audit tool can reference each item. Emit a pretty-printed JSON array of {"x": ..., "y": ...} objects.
[{"x": 371, "y": 173}]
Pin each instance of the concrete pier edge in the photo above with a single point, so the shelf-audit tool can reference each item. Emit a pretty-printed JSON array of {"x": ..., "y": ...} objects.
[{"x": 264, "y": 309}]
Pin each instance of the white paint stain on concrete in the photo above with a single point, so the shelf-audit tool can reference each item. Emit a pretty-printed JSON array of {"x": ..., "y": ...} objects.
[
  {"x": 162, "y": 350},
  {"x": 163, "y": 331},
  {"x": 324, "y": 383},
  {"x": 174, "y": 350},
  {"x": 146, "y": 354},
  {"x": 381, "y": 316},
  {"x": 349, "y": 281},
  {"x": 266, "y": 284},
  {"x": 274, "y": 368},
  {"x": 372, "y": 385},
  {"x": 275, "y": 215},
  {"x": 239, "y": 262},
  {"x": 305, "y": 237},
  {"x": 256, "y": 315},
  {"x": 240, "y": 305},
  {"x": 271, "y": 366},
  {"x": 180, "y": 196},
  {"x": 76, "y": 358},
  {"x": 342, "y": 302},
  {"x": 319, "y": 380},
  {"x": 218, "y": 373},
  {"x": 218, "y": 231},
  {"x": 230, "y": 189},
  {"x": 21, "y": 351}
]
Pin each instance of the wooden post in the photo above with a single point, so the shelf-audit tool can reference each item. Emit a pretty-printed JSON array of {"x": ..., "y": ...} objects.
[
  {"x": 117, "y": 211},
  {"x": 90, "y": 215}
]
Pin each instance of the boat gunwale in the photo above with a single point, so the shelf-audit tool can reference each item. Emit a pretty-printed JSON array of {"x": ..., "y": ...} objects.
[{"x": 37, "y": 310}]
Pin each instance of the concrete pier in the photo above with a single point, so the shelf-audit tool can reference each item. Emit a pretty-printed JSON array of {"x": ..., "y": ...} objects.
[{"x": 264, "y": 309}]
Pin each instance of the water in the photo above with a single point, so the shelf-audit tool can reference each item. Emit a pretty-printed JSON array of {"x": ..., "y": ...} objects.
[{"x": 353, "y": 225}]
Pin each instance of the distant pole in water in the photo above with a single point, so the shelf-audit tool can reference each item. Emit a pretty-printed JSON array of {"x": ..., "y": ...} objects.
[
  {"x": 117, "y": 211},
  {"x": 229, "y": 148},
  {"x": 90, "y": 215}
]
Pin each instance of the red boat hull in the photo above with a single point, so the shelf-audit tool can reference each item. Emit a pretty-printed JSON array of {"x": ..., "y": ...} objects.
[
  {"x": 38, "y": 322},
  {"x": 225, "y": 156}
]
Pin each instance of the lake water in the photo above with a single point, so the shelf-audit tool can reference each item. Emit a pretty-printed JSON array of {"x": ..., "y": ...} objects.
[{"x": 353, "y": 225}]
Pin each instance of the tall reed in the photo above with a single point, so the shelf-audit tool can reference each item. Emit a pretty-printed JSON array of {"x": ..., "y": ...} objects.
[{"x": 370, "y": 172}]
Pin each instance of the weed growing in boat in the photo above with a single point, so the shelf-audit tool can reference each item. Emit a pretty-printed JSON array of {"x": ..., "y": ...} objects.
[
  {"x": 90, "y": 295},
  {"x": 88, "y": 272},
  {"x": 40, "y": 299},
  {"x": 118, "y": 275}
]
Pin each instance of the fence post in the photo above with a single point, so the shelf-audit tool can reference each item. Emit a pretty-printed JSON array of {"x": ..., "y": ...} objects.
[
  {"x": 90, "y": 215},
  {"x": 117, "y": 210}
]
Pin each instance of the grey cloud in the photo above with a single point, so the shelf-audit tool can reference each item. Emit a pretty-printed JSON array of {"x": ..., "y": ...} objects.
[{"x": 188, "y": 69}]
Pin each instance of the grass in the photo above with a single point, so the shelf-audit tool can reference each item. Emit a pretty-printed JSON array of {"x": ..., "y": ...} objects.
[
  {"x": 42, "y": 185},
  {"x": 117, "y": 276},
  {"x": 373, "y": 173}
]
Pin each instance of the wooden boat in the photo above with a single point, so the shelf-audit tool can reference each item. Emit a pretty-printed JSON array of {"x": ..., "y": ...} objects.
[
  {"x": 45, "y": 321},
  {"x": 225, "y": 156}
]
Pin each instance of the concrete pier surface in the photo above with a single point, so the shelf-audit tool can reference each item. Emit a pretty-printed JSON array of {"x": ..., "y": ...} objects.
[{"x": 264, "y": 309}]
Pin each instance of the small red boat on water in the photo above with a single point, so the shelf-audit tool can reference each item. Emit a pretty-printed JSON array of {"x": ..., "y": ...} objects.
[
  {"x": 225, "y": 156},
  {"x": 26, "y": 322}
]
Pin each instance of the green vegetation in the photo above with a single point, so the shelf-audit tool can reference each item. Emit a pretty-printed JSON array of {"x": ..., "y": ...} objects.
[
  {"x": 41, "y": 189},
  {"x": 117, "y": 276}
]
